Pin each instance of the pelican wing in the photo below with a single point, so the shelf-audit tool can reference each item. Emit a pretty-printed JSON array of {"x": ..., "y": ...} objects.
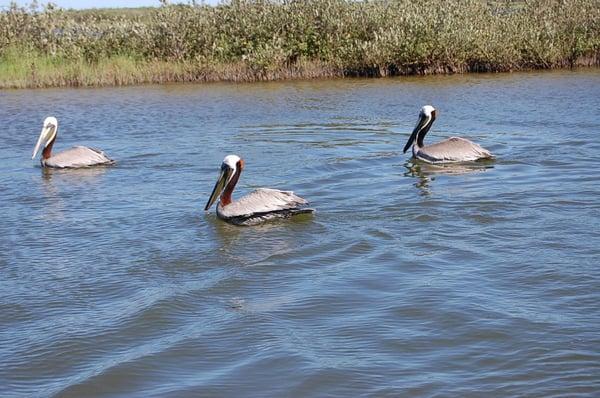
[
  {"x": 79, "y": 156},
  {"x": 263, "y": 200},
  {"x": 262, "y": 205},
  {"x": 454, "y": 149}
]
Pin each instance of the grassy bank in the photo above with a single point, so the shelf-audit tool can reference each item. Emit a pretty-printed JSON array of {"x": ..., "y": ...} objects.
[
  {"x": 31, "y": 69},
  {"x": 243, "y": 40}
]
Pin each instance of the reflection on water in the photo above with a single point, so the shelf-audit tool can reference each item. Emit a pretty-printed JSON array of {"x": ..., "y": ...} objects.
[
  {"x": 418, "y": 168},
  {"x": 115, "y": 282},
  {"x": 57, "y": 182},
  {"x": 251, "y": 245},
  {"x": 426, "y": 172},
  {"x": 74, "y": 176}
]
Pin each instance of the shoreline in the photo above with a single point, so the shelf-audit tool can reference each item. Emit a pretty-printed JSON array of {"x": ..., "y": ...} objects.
[{"x": 121, "y": 72}]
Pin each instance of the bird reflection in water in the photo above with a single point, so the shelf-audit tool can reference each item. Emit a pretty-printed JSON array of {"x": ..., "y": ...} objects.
[
  {"x": 56, "y": 181},
  {"x": 73, "y": 176},
  {"x": 426, "y": 173},
  {"x": 248, "y": 246}
]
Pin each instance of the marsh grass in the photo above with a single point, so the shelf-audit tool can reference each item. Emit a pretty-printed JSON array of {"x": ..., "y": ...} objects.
[{"x": 247, "y": 40}]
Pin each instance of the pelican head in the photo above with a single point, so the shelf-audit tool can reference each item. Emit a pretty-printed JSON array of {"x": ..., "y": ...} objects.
[
  {"x": 426, "y": 119},
  {"x": 230, "y": 173},
  {"x": 47, "y": 135}
]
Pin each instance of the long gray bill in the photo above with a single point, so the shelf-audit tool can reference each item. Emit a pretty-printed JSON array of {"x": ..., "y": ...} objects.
[
  {"x": 221, "y": 182},
  {"x": 39, "y": 142},
  {"x": 420, "y": 124}
]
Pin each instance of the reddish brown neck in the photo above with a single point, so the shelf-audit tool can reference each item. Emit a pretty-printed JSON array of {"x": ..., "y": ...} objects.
[
  {"x": 226, "y": 195},
  {"x": 47, "y": 152}
]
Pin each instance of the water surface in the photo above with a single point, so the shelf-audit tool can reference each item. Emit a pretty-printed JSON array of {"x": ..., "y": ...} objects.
[{"x": 408, "y": 281}]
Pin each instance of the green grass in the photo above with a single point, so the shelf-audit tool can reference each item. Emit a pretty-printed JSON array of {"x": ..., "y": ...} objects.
[
  {"x": 246, "y": 40},
  {"x": 112, "y": 13},
  {"x": 19, "y": 69}
]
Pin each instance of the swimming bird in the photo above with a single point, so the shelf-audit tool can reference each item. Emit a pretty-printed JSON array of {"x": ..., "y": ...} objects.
[
  {"x": 261, "y": 205},
  {"x": 453, "y": 149},
  {"x": 79, "y": 156}
]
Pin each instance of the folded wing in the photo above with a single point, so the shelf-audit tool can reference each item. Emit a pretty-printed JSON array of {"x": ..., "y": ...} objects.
[
  {"x": 454, "y": 149},
  {"x": 262, "y": 205},
  {"x": 79, "y": 156}
]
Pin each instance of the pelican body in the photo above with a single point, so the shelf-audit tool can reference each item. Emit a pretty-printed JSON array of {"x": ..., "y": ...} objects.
[
  {"x": 259, "y": 206},
  {"x": 79, "y": 156},
  {"x": 453, "y": 149}
]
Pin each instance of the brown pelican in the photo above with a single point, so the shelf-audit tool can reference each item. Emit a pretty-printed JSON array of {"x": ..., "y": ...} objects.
[
  {"x": 258, "y": 206},
  {"x": 79, "y": 156},
  {"x": 453, "y": 149}
]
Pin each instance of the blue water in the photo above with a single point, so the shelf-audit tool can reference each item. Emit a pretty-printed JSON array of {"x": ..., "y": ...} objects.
[{"x": 408, "y": 281}]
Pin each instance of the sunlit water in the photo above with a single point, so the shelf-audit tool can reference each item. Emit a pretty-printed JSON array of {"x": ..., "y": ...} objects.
[{"x": 408, "y": 281}]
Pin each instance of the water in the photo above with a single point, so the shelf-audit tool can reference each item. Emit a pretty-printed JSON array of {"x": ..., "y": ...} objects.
[{"x": 408, "y": 281}]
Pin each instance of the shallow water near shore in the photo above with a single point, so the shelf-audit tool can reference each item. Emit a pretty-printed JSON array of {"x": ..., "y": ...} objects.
[{"x": 410, "y": 280}]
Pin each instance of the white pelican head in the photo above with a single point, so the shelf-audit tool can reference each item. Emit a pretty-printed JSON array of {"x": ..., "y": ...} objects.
[
  {"x": 231, "y": 168},
  {"x": 47, "y": 135},
  {"x": 426, "y": 119}
]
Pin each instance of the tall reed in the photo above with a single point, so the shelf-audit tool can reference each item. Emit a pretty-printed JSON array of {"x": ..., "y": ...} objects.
[{"x": 244, "y": 40}]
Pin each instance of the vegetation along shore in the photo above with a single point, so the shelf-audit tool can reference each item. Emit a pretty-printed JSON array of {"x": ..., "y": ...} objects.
[{"x": 249, "y": 40}]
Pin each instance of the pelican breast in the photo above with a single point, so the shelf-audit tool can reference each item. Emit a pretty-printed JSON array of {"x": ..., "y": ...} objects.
[
  {"x": 261, "y": 205},
  {"x": 79, "y": 156},
  {"x": 453, "y": 149}
]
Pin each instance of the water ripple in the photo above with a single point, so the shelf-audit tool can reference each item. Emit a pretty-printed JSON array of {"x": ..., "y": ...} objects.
[{"x": 410, "y": 280}]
